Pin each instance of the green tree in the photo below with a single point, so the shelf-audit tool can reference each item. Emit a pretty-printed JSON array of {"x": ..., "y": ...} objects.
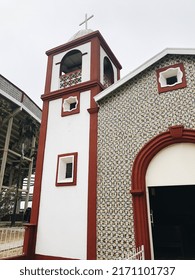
[{"x": 6, "y": 202}]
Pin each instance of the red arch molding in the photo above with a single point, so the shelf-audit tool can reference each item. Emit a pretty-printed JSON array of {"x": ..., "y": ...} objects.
[{"x": 175, "y": 134}]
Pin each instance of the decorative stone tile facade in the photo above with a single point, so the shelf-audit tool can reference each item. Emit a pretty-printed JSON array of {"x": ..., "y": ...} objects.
[{"x": 128, "y": 118}]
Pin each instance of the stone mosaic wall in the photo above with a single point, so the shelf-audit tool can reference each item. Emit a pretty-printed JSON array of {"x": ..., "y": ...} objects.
[{"x": 128, "y": 118}]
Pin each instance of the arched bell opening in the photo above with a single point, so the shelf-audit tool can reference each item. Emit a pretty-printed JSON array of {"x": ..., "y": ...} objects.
[
  {"x": 108, "y": 72},
  {"x": 71, "y": 69}
]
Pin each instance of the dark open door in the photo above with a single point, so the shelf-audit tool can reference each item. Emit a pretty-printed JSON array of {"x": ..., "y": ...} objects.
[{"x": 173, "y": 221}]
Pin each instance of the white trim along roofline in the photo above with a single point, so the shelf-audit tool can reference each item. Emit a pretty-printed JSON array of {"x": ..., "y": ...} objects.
[
  {"x": 20, "y": 104},
  {"x": 148, "y": 63}
]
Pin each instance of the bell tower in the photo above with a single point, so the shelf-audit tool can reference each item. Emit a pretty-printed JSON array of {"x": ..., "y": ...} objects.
[{"x": 64, "y": 203}]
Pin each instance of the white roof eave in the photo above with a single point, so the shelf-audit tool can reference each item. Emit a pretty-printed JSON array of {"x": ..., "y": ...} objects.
[
  {"x": 20, "y": 104},
  {"x": 148, "y": 63}
]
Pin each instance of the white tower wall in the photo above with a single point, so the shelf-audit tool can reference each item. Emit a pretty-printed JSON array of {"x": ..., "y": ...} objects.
[{"x": 62, "y": 225}]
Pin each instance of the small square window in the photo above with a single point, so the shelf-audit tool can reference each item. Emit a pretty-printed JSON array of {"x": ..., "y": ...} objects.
[
  {"x": 66, "y": 170},
  {"x": 69, "y": 169},
  {"x": 171, "y": 78},
  {"x": 73, "y": 105},
  {"x": 70, "y": 104}
]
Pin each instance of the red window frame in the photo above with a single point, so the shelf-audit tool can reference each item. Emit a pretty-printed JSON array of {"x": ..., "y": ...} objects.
[
  {"x": 174, "y": 87},
  {"x": 73, "y": 111},
  {"x": 74, "y": 181}
]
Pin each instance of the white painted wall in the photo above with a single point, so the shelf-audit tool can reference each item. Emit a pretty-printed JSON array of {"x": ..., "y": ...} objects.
[
  {"x": 102, "y": 55},
  {"x": 86, "y": 60},
  {"x": 62, "y": 225},
  {"x": 174, "y": 165}
]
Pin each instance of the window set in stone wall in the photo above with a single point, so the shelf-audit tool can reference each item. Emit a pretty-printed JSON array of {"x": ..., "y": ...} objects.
[{"x": 171, "y": 77}]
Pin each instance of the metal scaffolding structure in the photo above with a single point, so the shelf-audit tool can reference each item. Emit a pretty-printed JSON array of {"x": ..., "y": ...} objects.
[{"x": 20, "y": 121}]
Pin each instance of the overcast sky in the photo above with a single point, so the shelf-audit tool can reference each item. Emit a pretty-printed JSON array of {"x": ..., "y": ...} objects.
[{"x": 135, "y": 30}]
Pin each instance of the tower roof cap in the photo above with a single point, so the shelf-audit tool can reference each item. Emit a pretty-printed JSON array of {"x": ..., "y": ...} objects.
[{"x": 80, "y": 33}]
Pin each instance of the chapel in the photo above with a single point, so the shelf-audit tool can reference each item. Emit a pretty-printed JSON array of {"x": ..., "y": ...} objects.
[{"x": 116, "y": 159}]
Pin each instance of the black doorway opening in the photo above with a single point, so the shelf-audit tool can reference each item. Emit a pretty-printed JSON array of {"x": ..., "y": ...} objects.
[{"x": 172, "y": 211}]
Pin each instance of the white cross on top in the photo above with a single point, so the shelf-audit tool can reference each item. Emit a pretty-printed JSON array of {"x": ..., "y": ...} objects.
[{"x": 86, "y": 20}]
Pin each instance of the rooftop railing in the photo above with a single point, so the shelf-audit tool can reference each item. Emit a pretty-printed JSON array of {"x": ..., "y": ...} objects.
[
  {"x": 11, "y": 241},
  {"x": 107, "y": 81},
  {"x": 70, "y": 79}
]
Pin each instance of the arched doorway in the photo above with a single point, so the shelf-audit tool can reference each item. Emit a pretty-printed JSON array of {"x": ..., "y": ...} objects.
[
  {"x": 175, "y": 134},
  {"x": 170, "y": 191}
]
